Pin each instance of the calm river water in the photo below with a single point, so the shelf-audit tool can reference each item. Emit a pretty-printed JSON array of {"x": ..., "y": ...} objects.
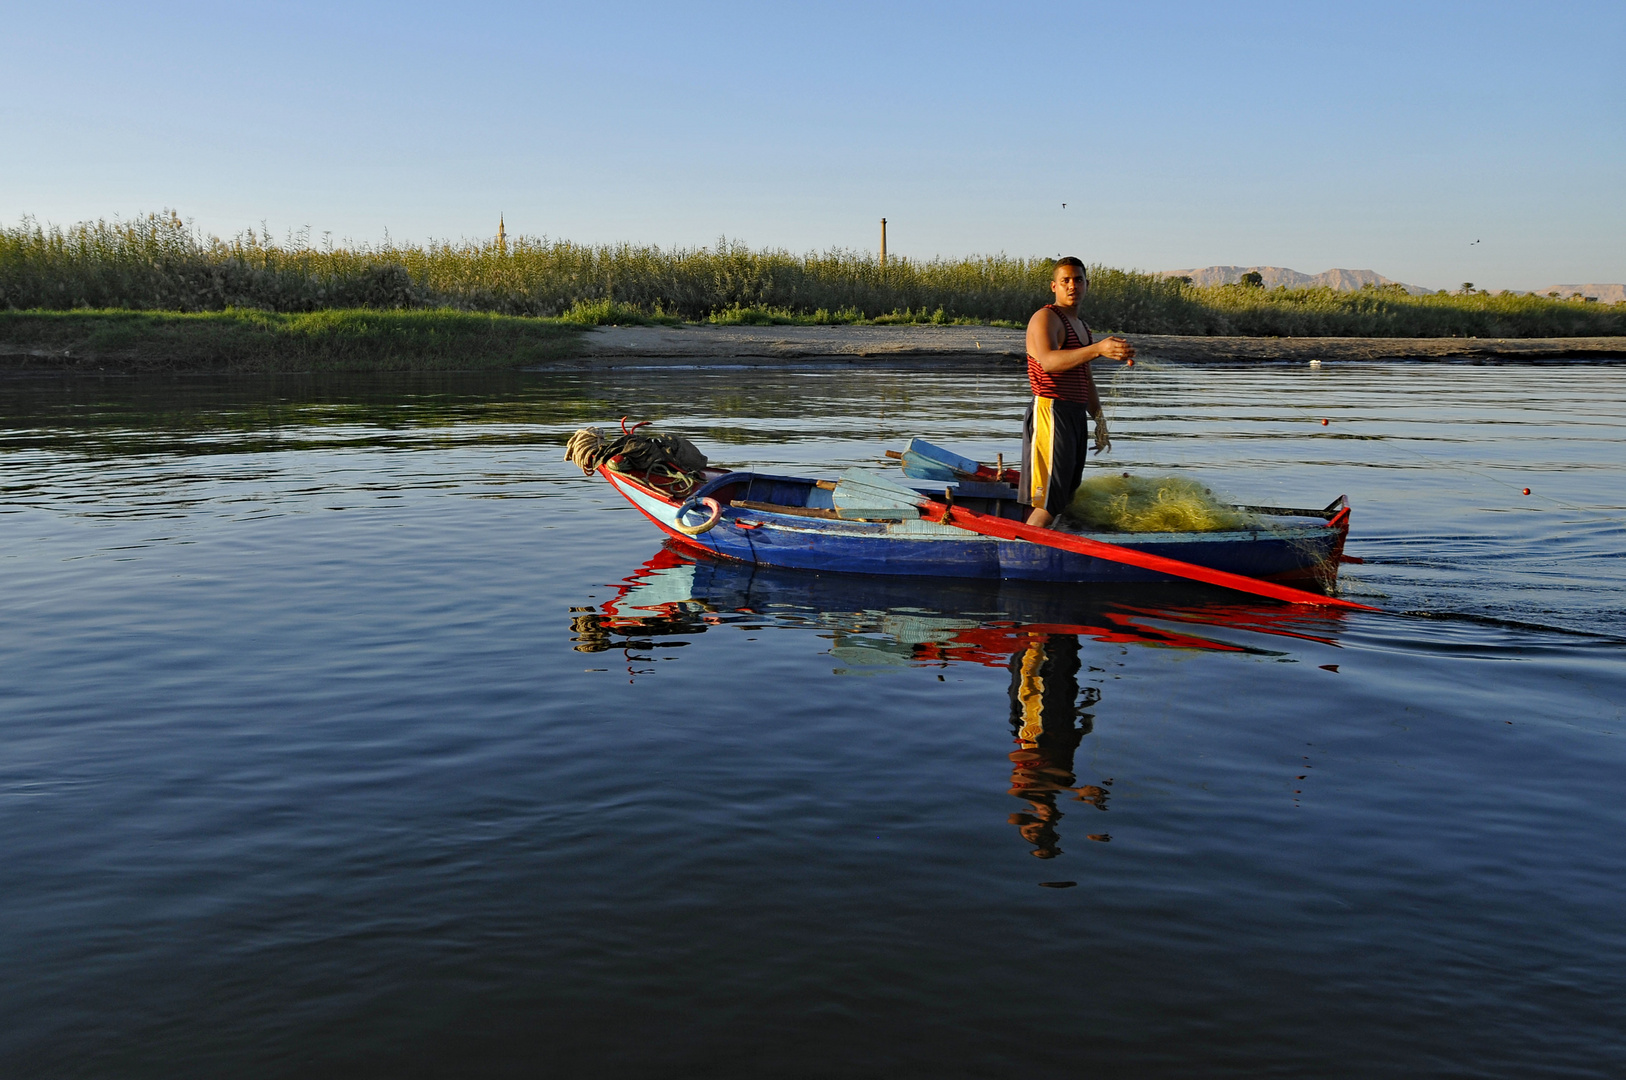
[{"x": 346, "y": 730}]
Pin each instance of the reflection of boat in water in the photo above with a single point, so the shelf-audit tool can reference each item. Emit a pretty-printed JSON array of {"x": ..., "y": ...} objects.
[
  {"x": 879, "y": 620},
  {"x": 965, "y": 527},
  {"x": 1032, "y": 629}
]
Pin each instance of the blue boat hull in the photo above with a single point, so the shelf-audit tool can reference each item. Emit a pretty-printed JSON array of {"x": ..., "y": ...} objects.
[{"x": 913, "y": 547}]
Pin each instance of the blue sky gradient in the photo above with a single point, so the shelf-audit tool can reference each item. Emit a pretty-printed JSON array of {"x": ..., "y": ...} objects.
[{"x": 1383, "y": 136}]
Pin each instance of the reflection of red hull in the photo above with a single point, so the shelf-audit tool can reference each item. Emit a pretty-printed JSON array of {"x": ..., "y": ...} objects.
[{"x": 992, "y": 646}]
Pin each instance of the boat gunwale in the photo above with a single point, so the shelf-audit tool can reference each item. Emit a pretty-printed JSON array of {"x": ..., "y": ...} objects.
[{"x": 803, "y": 521}]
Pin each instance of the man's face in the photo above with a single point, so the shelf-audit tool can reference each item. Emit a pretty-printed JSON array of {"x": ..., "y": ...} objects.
[{"x": 1069, "y": 284}]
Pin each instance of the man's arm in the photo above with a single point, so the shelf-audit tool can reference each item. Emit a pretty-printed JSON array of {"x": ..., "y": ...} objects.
[{"x": 1046, "y": 333}]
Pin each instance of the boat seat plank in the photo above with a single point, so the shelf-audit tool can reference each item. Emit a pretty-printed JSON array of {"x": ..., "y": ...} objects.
[{"x": 979, "y": 489}]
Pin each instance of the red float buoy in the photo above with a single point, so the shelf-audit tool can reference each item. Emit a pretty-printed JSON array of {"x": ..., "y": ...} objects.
[
  {"x": 1323, "y": 421},
  {"x": 1527, "y": 491}
]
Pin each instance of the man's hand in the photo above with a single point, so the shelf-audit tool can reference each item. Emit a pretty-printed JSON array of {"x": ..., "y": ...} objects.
[
  {"x": 1116, "y": 348},
  {"x": 1103, "y": 441}
]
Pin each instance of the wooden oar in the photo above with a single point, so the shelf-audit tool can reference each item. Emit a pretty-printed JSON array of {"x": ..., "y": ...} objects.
[{"x": 1003, "y": 529}]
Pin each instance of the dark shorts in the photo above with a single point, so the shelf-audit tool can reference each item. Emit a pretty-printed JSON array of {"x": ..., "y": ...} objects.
[{"x": 1055, "y": 438}]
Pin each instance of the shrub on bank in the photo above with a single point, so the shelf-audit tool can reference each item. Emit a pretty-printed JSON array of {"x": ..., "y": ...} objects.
[{"x": 159, "y": 263}]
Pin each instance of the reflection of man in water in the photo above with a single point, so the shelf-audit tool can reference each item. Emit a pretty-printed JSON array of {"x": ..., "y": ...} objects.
[{"x": 1049, "y": 722}]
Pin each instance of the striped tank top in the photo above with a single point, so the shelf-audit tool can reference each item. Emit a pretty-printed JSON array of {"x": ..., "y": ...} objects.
[{"x": 1074, "y": 384}]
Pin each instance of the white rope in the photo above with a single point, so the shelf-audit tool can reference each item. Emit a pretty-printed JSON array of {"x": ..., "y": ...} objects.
[{"x": 584, "y": 448}]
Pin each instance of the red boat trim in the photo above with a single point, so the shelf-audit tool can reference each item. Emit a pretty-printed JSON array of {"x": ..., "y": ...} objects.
[{"x": 988, "y": 525}]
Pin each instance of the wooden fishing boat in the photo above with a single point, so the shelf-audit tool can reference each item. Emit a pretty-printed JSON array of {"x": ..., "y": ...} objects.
[{"x": 964, "y": 522}]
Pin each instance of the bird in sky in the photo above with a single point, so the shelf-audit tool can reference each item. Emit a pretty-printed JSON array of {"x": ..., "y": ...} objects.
[
  {"x": 1064, "y": 206},
  {"x": 1470, "y": 245}
]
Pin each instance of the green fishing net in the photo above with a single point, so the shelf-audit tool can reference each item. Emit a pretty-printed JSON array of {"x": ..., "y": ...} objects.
[{"x": 1122, "y": 502}]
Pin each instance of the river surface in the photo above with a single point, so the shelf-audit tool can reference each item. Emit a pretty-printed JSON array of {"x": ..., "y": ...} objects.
[{"x": 346, "y": 730}]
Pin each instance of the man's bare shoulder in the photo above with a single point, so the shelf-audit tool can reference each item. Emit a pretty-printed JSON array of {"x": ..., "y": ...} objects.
[{"x": 1044, "y": 319}]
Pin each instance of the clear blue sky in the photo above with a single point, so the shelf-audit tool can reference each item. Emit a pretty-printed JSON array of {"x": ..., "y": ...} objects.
[{"x": 1386, "y": 136}]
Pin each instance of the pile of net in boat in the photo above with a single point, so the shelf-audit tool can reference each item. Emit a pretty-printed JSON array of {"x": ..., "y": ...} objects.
[
  {"x": 670, "y": 461},
  {"x": 1121, "y": 502}
]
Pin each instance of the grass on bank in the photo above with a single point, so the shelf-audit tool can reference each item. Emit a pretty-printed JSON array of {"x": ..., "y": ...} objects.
[
  {"x": 246, "y": 340},
  {"x": 160, "y": 263},
  {"x": 770, "y": 316}
]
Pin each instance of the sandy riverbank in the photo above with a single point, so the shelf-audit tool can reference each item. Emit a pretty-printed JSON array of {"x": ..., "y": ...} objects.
[
  {"x": 133, "y": 342},
  {"x": 753, "y": 345}
]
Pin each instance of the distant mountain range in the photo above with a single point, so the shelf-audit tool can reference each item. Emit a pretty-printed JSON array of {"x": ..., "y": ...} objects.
[
  {"x": 1606, "y": 294},
  {"x": 1275, "y": 276}
]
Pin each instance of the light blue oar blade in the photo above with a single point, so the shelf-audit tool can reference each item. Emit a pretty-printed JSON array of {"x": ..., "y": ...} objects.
[
  {"x": 869, "y": 491},
  {"x": 925, "y": 468},
  {"x": 946, "y": 458}
]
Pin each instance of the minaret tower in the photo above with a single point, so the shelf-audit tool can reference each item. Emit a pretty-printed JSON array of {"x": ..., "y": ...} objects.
[{"x": 502, "y": 235}]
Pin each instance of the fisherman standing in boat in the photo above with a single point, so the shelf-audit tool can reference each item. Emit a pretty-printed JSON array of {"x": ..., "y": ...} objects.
[{"x": 1055, "y": 427}]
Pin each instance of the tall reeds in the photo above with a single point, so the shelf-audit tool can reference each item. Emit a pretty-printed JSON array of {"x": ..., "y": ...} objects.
[{"x": 160, "y": 263}]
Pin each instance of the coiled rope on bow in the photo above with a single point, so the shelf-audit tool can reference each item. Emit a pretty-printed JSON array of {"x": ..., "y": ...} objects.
[
  {"x": 670, "y": 462},
  {"x": 585, "y": 449}
]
